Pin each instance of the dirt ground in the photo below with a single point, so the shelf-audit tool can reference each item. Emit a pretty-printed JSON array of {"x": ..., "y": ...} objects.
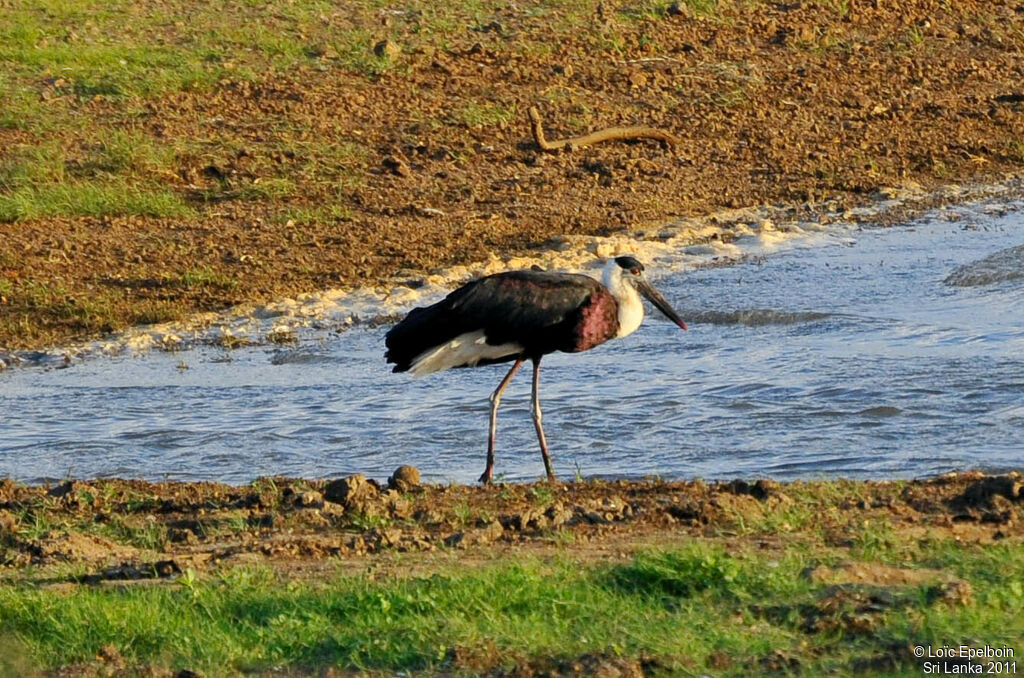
[
  {"x": 400, "y": 172},
  {"x": 127, "y": 530}
]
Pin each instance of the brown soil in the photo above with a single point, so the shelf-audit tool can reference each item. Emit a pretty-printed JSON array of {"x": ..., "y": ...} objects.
[
  {"x": 796, "y": 103},
  {"x": 124, "y": 530}
]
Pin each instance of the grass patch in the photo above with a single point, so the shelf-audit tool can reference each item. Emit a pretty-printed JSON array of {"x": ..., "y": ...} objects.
[
  {"x": 206, "y": 277},
  {"x": 687, "y": 608},
  {"x": 474, "y": 114},
  {"x": 91, "y": 199},
  {"x": 34, "y": 311}
]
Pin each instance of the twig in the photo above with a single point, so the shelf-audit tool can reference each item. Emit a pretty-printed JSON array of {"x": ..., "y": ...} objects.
[{"x": 595, "y": 137}]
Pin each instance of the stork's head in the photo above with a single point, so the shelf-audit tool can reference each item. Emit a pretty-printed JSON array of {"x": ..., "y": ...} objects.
[{"x": 628, "y": 271}]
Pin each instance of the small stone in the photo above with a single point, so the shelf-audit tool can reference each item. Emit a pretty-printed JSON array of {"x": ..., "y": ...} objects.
[
  {"x": 558, "y": 515},
  {"x": 404, "y": 478},
  {"x": 182, "y": 535},
  {"x": 565, "y": 70},
  {"x": 383, "y": 537},
  {"x": 456, "y": 540},
  {"x": 431, "y": 212},
  {"x": 166, "y": 568},
  {"x": 62, "y": 490},
  {"x": 8, "y": 522},
  {"x": 397, "y": 166},
  {"x": 355, "y": 488},
  {"x": 490, "y": 532},
  {"x": 109, "y": 654},
  {"x": 309, "y": 499},
  {"x": 387, "y": 49},
  {"x": 484, "y": 535},
  {"x": 806, "y": 33}
]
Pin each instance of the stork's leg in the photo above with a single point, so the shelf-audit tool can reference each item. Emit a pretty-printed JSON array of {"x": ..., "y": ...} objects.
[
  {"x": 495, "y": 401},
  {"x": 537, "y": 418}
]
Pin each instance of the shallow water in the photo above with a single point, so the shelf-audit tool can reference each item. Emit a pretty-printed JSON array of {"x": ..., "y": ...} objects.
[{"x": 854, "y": 358}]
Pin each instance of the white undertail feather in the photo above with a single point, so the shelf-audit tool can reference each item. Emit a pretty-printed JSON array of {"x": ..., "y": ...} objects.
[
  {"x": 464, "y": 350},
  {"x": 631, "y": 307}
]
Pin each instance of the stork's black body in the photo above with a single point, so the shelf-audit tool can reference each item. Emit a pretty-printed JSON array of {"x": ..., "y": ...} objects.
[
  {"x": 542, "y": 312},
  {"x": 522, "y": 315}
]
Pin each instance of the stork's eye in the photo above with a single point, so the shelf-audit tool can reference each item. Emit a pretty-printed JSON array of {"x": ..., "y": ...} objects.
[{"x": 635, "y": 271}]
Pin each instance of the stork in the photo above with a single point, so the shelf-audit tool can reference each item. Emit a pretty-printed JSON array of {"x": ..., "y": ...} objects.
[{"x": 522, "y": 315}]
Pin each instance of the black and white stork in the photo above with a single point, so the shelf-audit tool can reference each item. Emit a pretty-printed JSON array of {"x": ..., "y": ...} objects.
[{"x": 519, "y": 315}]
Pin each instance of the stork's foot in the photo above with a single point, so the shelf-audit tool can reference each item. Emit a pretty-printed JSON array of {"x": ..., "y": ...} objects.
[
  {"x": 547, "y": 467},
  {"x": 485, "y": 477}
]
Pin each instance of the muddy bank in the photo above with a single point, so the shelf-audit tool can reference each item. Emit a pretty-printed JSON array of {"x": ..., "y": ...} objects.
[
  {"x": 419, "y": 157},
  {"x": 852, "y": 558},
  {"x": 124, "y": 530}
]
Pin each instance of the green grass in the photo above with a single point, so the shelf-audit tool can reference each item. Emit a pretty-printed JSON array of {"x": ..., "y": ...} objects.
[
  {"x": 109, "y": 173},
  {"x": 474, "y": 114},
  {"x": 91, "y": 199},
  {"x": 679, "y": 606},
  {"x": 59, "y": 58}
]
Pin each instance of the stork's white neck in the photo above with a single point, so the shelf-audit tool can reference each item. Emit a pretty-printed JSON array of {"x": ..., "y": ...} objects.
[{"x": 631, "y": 307}]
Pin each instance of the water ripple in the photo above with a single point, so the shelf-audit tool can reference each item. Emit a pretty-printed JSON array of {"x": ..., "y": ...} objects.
[{"x": 893, "y": 372}]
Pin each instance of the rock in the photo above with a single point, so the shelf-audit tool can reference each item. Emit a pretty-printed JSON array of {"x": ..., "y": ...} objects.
[
  {"x": 355, "y": 489},
  {"x": 957, "y": 592},
  {"x": 387, "y": 49},
  {"x": 761, "y": 490},
  {"x": 398, "y": 506},
  {"x": 404, "y": 478},
  {"x": 990, "y": 499},
  {"x": 427, "y": 517},
  {"x": 110, "y": 656},
  {"x": 690, "y": 512},
  {"x": 8, "y": 523},
  {"x": 558, "y": 515},
  {"x": 456, "y": 540},
  {"x": 309, "y": 499},
  {"x": 492, "y": 531},
  {"x": 431, "y": 212},
  {"x": 397, "y": 165},
  {"x": 485, "y": 535},
  {"x": 383, "y": 537},
  {"x": 302, "y": 498},
  {"x": 182, "y": 535},
  {"x": 530, "y": 518},
  {"x": 7, "y": 490},
  {"x": 62, "y": 490}
]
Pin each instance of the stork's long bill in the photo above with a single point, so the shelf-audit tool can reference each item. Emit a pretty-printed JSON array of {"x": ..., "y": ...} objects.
[{"x": 654, "y": 296}]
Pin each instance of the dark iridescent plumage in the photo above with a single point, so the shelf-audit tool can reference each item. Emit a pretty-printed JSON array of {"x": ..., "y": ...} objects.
[{"x": 542, "y": 312}]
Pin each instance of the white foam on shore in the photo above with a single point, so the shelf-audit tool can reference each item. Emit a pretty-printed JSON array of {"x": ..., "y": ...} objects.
[{"x": 683, "y": 244}]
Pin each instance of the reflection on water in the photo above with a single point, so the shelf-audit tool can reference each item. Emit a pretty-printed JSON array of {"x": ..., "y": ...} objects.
[{"x": 855, "y": 360}]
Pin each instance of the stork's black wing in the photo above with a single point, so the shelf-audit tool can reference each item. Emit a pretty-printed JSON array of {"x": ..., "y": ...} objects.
[{"x": 531, "y": 308}]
